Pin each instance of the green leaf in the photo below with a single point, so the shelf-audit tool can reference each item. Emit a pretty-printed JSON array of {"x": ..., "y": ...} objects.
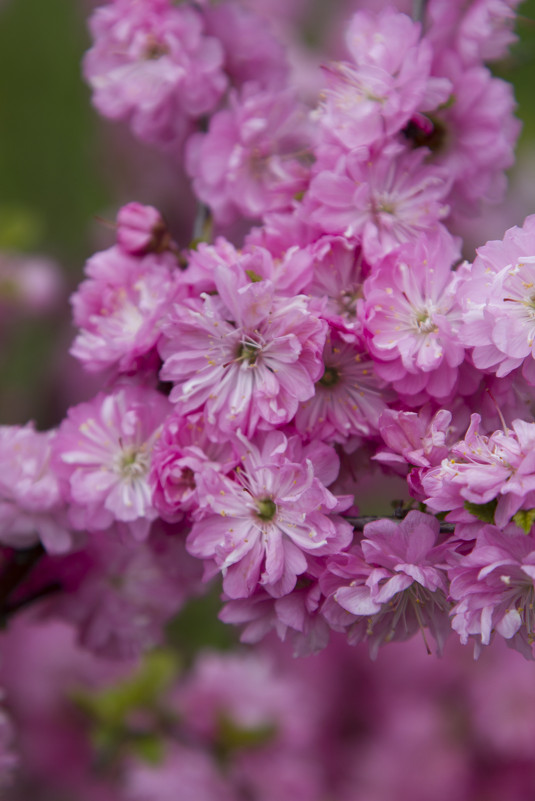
[
  {"x": 232, "y": 736},
  {"x": 110, "y": 707},
  {"x": 149, "y": 748},
  {"x": 483, "y": 511},
  {"x": 525, "y": 518}
]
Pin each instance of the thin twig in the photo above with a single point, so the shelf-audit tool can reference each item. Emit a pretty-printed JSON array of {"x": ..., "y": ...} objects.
[
  {"x": 418, "y": 10},
  {"x": 358, "y": 523}
]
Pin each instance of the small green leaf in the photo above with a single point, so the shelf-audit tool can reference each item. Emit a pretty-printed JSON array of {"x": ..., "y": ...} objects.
[
  {"x": 483, "y": 511},
  {"x": 149, "y": 748},
  {"x": 525, "y": 518},
  {"x": 232, "y": 736}
]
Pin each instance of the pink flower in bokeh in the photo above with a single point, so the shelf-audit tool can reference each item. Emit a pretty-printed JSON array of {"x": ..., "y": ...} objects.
[
  {"x": 255, "y": 156},
  {"x": 152, "y": 64},
  {"x": 31, "y": 504}
]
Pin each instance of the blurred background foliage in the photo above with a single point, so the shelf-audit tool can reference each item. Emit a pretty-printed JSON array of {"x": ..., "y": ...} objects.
[{"x": 60, "y": 169}]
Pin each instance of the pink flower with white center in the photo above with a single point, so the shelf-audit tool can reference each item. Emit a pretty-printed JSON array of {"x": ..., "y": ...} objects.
[
  {"x": 255, "y": 157},
  {"x": 181, "y": 452},
  {"x": 152, "y": 64},
  {"x": 244, "y": 357},
  {"x": 103, "y": 452},
  {"x": 348, "y": 398},
  {"x": 385, "y": 199},
  {"x": 119, "y": 308},
  {"x": 391, "y": 585},
  {"x": 412, "y": 318},
  {"x": 259, "y": 524},
  {"x": 31, "y": 505},
  {"x": 481, "y": 469},
  {"x": 494, "y": 586},
  {"x": 499, "y": 304},
  {"x": 389, "y": 79}
]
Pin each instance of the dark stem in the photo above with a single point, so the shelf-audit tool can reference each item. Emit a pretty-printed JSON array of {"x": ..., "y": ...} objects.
[
  {"x": 16, "y": 569},
  {"x": 358, "y": 523},
  {"x": 418, "y": 10}
]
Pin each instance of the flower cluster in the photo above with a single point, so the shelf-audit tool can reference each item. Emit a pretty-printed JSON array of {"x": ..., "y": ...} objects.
[{"x": 251, "y": 380}]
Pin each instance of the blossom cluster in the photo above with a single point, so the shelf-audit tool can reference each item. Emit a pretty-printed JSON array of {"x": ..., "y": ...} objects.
[{"x": 251, "y": 381}]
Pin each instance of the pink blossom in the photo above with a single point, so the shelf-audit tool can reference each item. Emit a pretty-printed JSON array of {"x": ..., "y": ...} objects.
[
  {"x": 31, "y": 504},
  {"x": 244, "y": 357},
  {"x": 348, "y": 398},
  {"x": 119, "y": 308},
  {"x": 189, "y": 771},
  {"x": 245, "y": 691},
  {"x": 494, "y": 589},
  {"x": 478, "y": 31},
  {"x": 181, "y": 452},
  {"x": 294, "y": 618},
  {"x": 472, "y": 136},
  {"x": 254, "y": 157},
  {"x": 498, "y": 303},
  {"x": 259, "y": 524},
  {"x": 127, "y": 592},
  {"x": 385, "y": 199},
  {"x": 29, "y": 284},
  {"x": 103, "y": 451},
  {"x": 481, "y": 469},
  {"x": 252, "y": 53},
  {"x": 390, "y": 585},
  {"x": 414, "y": 438},
  {"x": 338, "y": 272},
  {"x": 412, "y": 318},
  {"x": 152, "y": 64},
  {"x": 141, "y": 229},
  {"x": 389, "y": 78}
]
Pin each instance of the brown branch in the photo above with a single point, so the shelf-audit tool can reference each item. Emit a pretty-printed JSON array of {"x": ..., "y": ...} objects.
[{"x": 358, "y": 523}]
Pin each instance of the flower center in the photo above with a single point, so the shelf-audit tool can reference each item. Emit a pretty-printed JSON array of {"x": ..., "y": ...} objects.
[
  {"x": 266, "y": 509},
  {"x": 330, "y": 377},
  {"x": 423, "y": 322},
  {"x": 154, "y": 49},
  {"x": 248, "y": 350},
  {"x": 132, "y": 463},
  {"x": 429, "y": 132}
]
